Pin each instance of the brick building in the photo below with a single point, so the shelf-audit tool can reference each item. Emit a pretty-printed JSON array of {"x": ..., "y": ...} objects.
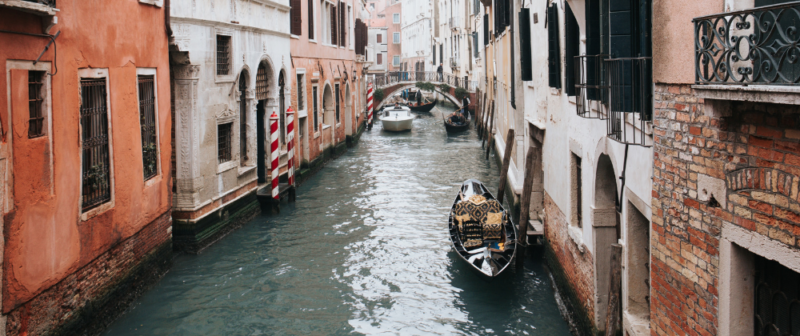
[
  {"x": 725, "y": 253},
  {"x": 84, "y": 160}
]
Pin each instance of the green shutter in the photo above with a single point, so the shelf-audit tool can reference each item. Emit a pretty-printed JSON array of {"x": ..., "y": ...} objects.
[
  {"x": 572, "y": 40},
  {"x": 553, "y": 47},
  {"x": 485, "y": 29},
  {"x": 526, "y": 69}
]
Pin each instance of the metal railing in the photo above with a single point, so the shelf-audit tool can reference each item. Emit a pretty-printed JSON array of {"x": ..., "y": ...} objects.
[
  {"x": 591, "y": 86},
  {"x": 454, "y": 62},
  {"x": 396, "y": 77},
  {"x": 754, "y": 46},
  {"x": 630, "y": 99},
  {"x": 51, "y": 3}
]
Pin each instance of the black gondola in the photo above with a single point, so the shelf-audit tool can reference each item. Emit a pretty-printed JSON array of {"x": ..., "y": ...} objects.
[
  {"x": 456, "y": 124},
  {"x": 481, "y": 231},
  {"x": 422, "y": 107}
]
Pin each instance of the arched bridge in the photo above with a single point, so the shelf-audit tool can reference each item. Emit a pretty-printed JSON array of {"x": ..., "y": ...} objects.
[{"x": 395, "y": 81}]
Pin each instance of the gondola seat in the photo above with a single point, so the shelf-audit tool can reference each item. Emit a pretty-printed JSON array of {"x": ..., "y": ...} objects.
[{"x": 478, "y": 220}]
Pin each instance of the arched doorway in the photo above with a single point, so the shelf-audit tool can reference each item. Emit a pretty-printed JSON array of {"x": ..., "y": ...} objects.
[
  {"x": 348, "y": 110},
  {"x": 327, "y": 106},
  {"x": 263, "y": 88},
  {"x": 606, "y": 232},
  {"x": 282, "y": 109},
  {"x": 243, "y": 79}
]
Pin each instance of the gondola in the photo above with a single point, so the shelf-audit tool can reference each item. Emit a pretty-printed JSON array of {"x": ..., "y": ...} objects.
[
  {"x": 422, "y": 107},
  {"x": 481, "y": 231},
  {"x": 453, "y": 127}
]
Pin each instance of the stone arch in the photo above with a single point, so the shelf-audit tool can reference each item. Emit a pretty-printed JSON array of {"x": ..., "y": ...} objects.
[
  {"x": 244, "y": 93},
  {"x": 606, "y": 232},
  {"x": 328, "y": 105},
  {"x": 265, "y": 101}
]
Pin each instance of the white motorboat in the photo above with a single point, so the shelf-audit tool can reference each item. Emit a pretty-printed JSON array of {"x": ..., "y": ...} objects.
[{"x": 397, "y": 119}]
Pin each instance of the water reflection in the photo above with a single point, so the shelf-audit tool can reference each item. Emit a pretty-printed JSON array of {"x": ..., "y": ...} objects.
[{"x": 364, "y": 250}]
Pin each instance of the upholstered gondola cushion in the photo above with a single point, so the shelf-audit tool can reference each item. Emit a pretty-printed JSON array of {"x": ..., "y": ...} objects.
[{"x": 493, "y": 226}]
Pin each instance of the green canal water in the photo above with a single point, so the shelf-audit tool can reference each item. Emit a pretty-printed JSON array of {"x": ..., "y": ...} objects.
[{"x": 364, "y": 250}]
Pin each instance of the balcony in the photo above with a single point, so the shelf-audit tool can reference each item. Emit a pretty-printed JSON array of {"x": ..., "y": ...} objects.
[
  {"x": 38, "y": 7},
  {"x": 454, "y": 62},
  {"x": 591, "y": 86},
  {"x": 630, "y": 100},
  {"x": 454, "y": 24}
]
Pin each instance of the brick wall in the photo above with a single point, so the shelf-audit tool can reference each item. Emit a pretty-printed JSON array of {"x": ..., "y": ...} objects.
[
  {"x": 572, "y": 269},
  {"x": 755, "y": 151},
  {"x": 92, "y": 297}
]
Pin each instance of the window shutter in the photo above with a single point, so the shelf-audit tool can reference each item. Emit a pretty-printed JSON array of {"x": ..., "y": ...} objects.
[
  {"x": 297, "y": 19},
  {"x": 593, "y": 33},
  {"x": 311, "y": 19},
  {"x": 434, "y": 54},
  {"x": 342, "y": 22},
  {"x": 333, "y": 25},
  {"x": 572, "y": 40},
  {"x": 441, "y": 54},
  {"x": 553, "y": 46},
  {"x": 513, "y": 59},
  {"x": 485, "y": 29},
  {"x": 475, "y": 46},
  {"x": 526, "y": 70}
]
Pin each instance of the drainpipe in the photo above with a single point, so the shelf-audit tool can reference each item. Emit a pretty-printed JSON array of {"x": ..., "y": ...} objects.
[
  {"x": 167, "y": 16},
  {"x": 622, "y": 178}
]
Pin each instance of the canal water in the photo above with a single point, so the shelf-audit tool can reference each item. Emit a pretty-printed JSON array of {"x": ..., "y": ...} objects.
[{"x": 364, "y": 250}]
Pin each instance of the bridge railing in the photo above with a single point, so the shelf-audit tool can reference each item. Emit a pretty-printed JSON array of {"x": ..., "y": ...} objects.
[{"x": 395, "y": 77}]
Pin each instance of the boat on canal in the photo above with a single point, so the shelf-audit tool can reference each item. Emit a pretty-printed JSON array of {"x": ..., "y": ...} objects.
[
  {"x": 397, "y": 118},
  {"x": 456, "y": 122},
  {"x": 481, "y": 231}
]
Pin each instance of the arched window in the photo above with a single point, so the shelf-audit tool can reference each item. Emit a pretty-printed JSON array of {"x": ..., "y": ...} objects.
[{"x": 243, "y": 117}]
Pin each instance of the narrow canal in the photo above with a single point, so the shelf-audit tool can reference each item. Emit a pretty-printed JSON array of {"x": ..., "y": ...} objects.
[{"x": 364, "y": 250}]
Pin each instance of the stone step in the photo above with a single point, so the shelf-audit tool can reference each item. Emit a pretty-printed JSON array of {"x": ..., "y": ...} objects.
[{"x": 535, "y": 228}]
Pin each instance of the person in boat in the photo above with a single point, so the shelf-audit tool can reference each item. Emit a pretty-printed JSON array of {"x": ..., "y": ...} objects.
[{"x": 465, "y": 102}]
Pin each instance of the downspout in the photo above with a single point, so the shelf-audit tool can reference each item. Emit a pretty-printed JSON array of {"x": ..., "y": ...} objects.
[
  {"x": 622, "y": 178},
  {"x": 167, "y": 16}
]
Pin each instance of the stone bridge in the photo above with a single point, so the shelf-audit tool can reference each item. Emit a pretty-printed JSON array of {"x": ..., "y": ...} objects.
[{"x": 392, "y": 82}]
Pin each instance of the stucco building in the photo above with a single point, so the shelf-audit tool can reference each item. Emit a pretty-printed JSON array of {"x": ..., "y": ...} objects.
[
  {"x": 417, "y": 24},
  {"x": 385, "y": 19},
  {"x": 327, "y": 54},
  {"x": 84, "y": 160},
  {"x": 231, "y": 69}
]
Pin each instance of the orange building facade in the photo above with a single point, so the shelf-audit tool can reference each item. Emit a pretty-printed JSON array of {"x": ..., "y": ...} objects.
[{"x": 84, "y": 159}]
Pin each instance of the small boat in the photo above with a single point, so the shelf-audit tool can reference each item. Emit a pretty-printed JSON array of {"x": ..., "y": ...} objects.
[
  {"x": 419, "y": 107},
  {"x": 456, "y": 124},
  {"x": 397, "y": 119},
  {"x": 481, "y": 230}
]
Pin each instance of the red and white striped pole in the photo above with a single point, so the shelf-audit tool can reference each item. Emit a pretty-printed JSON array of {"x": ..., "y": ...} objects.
[
  {"x": 369, "y": 105},
  {"x": 273, "y": 132},
  {"x": 290, "y": 142}
]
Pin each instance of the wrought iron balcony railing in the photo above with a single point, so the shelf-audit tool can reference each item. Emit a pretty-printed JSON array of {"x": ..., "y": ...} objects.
[
  {"x": 591, "y": 86},
  {"x": 630, "y": 99},
  {"x": 756, "y": 46}
]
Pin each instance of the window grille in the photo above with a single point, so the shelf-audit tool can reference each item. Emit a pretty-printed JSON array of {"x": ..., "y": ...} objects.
[
  {"x": 777, "y": 299},
  {"x": 301, "y": 103},
  {"x": 261, "y": 83},
  {"x": 96, "y": 177},
  {"x": 147, "y": 119},
  {"x": 36, "y": 103},
  {"x": 223, "y": 55},
  {"x": 316, "y": 106},
  {"x": 224, "y": 142}
]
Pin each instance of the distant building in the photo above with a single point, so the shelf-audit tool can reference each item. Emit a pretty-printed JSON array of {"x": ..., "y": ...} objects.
[
  {"x": 416, "y": 36},
  {"x": 386, "y": 21},
  {"x": 85, "y": 160}
]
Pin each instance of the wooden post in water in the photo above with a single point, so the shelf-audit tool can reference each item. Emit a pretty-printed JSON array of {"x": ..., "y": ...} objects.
[
  {"x": 612, "y": 312},
  {"x": 490, "y": 133},
  {"x": 501, "y": 191},
  {"x": 479, "y": 119},
  {"x": 525, "y": 206}
]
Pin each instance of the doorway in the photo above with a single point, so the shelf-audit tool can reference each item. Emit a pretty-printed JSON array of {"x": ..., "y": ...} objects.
[
  {"x": 605, "y": 225},
  {"x": 261, "y": 131}
]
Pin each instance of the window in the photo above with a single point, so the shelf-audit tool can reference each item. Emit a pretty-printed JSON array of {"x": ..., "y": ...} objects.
[
  {"x": 224, "y": 140},
  {"x": 223, "y": 55},
  {"x": 243, "y": 117},
  {"x": 95, "y": 156},
  {"x": 296, "y": 25},
  {"x": 333, "y": 36},
  {"x": 379, "y": 38},
  {"x": 396, "y": 18},
  {"x": 301, "y": 92},
  {"x": 147, "y": 122},
  {"x": 396, "y": 37},
  {"x": 553, "y": 48},
  {"x": 372, "y": 6},
  {"x": 315, "y": 106},
  {"x": 310, "y": 19},
  {"x": 486, "y": 29},
  {"x": 572, "y": 39},
  {"x": 36, "y": 103},
  {"x": 336, "y": 98},
  {"x": 526, "y": 67},
  {"x": 502, "y": 16},
  {"x": 381, "y": 16},
  {"x": 380, "y": 58},
  {"x": 342, "y": 24},
  {"x": 396, "y": 60},
  {"x": 577, "y": 191}
]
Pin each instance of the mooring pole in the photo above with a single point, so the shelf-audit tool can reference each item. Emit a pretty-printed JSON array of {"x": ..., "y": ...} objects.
[
  {"x": 290, "y": 149},
  {"x": 490, "y": 133},
  {"x": 501, "y": 191},
  {"x": 612, "y": 310},
  {"x": 525, "y": 206}
]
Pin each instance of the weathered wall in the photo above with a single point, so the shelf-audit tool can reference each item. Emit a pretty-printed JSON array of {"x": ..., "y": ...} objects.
[
  {"x": 45, "y": 238},
  {"x": 754, "y": 154}
]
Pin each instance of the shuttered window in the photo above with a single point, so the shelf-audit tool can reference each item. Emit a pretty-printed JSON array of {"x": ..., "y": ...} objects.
[
  {"x": 310, "y": 19},
  {"x": 572, "y": 40},
  {"x": 380, "y": 58},
  {"x": 379, "y": 38},
  {"x": 333, "y": 24},
  {"x": 594, "y": 34},
  {"x": 526, "y": 69},
  {"x": 476, "y": 53},
  {"x": 441, "y": 54},
  {"x": 486, "y": 29},
  {"x": 296, "y": 17},
  {"x": 513, "y": 61},
  {"x": 553, "y": 48},
  {"x": 434, "y": 54},
  {"x": 342, "y": 21}
]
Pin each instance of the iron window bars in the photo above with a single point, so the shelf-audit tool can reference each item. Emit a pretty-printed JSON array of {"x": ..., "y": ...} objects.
[
  {"x": 36, "y": 103},
  {"x": 591, "y": 86},
  {"x": 224, "y": 140},
  {"x": 777, "y": 299},
  {"x": 261, "y": 83},
  {"x": 754, "y": 46},
  {"x": 630, "y": 99},
  {"x": 147, "y": 120},
  {"x": 223, "y": 55},
  {"x": 96, "y": 181}
]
